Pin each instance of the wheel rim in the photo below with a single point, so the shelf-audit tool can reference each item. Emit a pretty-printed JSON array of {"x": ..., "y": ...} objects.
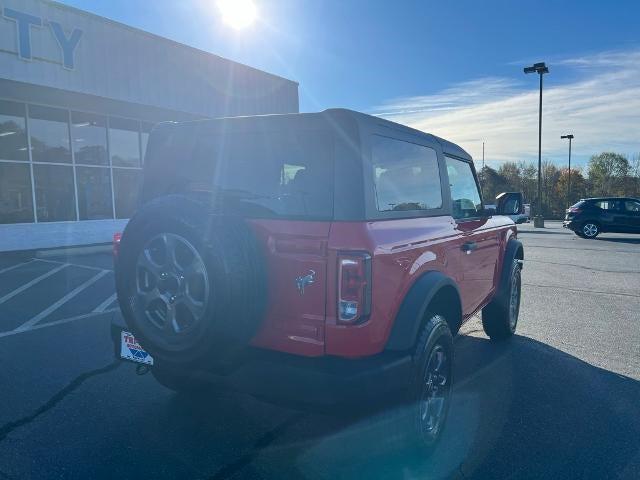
[
  {"x": 172, "y": 285},
  {"x": 514, "y": 299},
  {"x": 435, "y": 393},
  {"x": 590, "y": 229}
]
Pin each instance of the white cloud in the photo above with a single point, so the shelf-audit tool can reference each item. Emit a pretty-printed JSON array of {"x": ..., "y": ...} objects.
[{"x": 601, "y": 108}]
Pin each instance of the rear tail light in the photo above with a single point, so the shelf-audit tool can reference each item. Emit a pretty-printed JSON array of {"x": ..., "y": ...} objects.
[
  {"x": 354, "y": 287},
  {"x": 116, "y": 243}
]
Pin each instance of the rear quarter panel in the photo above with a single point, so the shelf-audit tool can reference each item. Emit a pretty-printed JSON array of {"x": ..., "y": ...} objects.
[{"x": 402, "y": 251}]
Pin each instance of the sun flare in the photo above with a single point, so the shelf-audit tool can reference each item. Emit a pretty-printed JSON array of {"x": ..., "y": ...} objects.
[{"x": 238, "y": 14}]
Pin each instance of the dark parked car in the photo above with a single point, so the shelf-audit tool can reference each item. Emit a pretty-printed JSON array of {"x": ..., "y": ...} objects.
[{"x": 592, "y": 216}]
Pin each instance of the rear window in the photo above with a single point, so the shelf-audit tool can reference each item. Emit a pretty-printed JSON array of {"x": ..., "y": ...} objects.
[
  {"x": 406, "y": 175},
  {"x": 273, "y": 174}
]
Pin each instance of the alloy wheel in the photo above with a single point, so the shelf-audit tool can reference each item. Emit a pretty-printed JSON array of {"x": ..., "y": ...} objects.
[
  {"x": 172, "y": 284},
  {"x": 590, "y": 229},
  {"x": 514, "y": 299},
  {"x": 435, "y": 393}
]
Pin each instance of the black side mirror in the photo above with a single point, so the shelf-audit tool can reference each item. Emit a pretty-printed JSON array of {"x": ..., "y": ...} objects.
[
  {"x": 489, "y": 212},
  {"x": 510, "y": 203}
]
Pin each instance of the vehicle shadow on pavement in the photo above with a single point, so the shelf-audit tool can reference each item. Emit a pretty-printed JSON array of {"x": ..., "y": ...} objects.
[
  {"x": 521, "y": 409},
  {"x": 631, "y": 241}
]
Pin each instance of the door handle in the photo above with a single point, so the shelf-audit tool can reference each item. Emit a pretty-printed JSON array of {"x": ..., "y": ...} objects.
[{"x": 469, "y": 247}]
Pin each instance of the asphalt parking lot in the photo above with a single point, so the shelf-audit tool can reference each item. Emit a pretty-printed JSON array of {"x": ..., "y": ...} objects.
[{"x": 560, "y": 400}]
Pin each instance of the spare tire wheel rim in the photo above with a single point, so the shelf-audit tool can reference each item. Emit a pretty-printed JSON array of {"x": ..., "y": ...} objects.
[{"x": 172, "y": 285}]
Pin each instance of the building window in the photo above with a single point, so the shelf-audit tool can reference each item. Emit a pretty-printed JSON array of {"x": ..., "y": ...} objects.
[
  {"x": 94, "y": 193},
  {"x": 126, "y": 185},
  {"x": 13, "y": 136},
  {"x": 16, "y": 202},
  {"x": 124, "y": 142},
  {"x": 49, "y": 131},
  {"x": 89, "y": 136},
  {"x": 55, "y": 198}
]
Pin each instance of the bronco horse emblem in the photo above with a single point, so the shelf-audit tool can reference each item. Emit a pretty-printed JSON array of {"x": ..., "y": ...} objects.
[{"x": 305, "y": 280}]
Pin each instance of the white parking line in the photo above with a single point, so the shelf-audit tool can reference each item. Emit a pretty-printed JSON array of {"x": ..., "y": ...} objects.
[
  {"x": 56, "y": 322},
  {"x": 31, "y": 322},
  {"x": 32, "y": 282},
  {"x": 8, "y": 269},
  {"x": 74, "y": 264},
  {"x": 105, "y": 304}
]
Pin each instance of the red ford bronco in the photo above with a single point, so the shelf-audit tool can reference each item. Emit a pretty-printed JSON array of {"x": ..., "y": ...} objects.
[{"x": 318, "y": 257}]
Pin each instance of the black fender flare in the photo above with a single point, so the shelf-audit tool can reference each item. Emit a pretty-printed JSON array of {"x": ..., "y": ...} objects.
[
  {"x": 410, "y": 316},
  {"x": 514, "y": 250}
]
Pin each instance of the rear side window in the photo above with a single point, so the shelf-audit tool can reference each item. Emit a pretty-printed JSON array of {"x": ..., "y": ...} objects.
[
  {"x": 263, "y": 174},
  {"x": 406, "y": 175},
  {"x": 607, "y": 204},
  {"x": 465, "y": 195}
]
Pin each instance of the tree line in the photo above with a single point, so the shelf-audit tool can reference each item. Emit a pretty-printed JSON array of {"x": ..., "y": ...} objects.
[{"x": 607, "y": 174}]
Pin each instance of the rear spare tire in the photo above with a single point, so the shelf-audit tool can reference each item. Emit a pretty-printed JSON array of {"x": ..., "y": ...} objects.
[{"x": 190, "y": 284}]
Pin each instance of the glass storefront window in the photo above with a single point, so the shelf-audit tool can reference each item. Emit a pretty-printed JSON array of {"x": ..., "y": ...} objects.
[
  {"x": 126, "y": 184},
  {"x": 49, "y": 131},
  {"x": 13, "y": 135},
  {"x": 55, "y": 197},
  {"x": 16, "y": 202},
  {"x": 124, "y": 142},
  {"x": 89, "y": 136},
  {"x": 94, "y": 193}
]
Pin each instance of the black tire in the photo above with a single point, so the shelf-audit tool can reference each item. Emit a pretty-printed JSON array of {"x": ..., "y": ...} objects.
[
  {"x": 229, "y": 281},
  {"x": 500, "y": 316},
  {"x": 590, "y": 229},
  {"x": 402, "y": 418},
  {"x": 435, "y": 335}
]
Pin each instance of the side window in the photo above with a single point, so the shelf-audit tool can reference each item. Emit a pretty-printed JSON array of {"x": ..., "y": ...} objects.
[
  {"x": 632, "y": 206},
  {"x": 608, "y": 204},
  {"x": 406, "y": 175},
  {"x": 465, "y": 196}
]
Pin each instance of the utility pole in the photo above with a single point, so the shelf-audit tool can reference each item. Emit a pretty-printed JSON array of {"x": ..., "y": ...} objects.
[{"x": 482, "y": 155}]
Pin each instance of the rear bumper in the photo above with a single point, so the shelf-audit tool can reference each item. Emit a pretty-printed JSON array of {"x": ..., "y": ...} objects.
[{"x": 286, "y": 378}]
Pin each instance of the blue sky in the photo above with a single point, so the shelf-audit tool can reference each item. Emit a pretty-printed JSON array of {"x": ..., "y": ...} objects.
[{"x": 451, "y": 68}]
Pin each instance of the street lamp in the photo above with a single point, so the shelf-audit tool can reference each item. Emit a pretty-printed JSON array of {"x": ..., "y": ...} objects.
[
  {"x": 541, "y": 69},
  {"x": 570, "y": 137}
]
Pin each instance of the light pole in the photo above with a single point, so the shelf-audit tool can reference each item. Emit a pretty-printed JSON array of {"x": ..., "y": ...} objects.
[
  {"x": 482, "y": 155},
  {"x": 539, "y": 68},
  {"x": 570, "y": 137}
]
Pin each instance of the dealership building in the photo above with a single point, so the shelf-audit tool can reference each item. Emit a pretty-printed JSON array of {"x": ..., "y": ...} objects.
[{"x": 79, "y": 95}]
